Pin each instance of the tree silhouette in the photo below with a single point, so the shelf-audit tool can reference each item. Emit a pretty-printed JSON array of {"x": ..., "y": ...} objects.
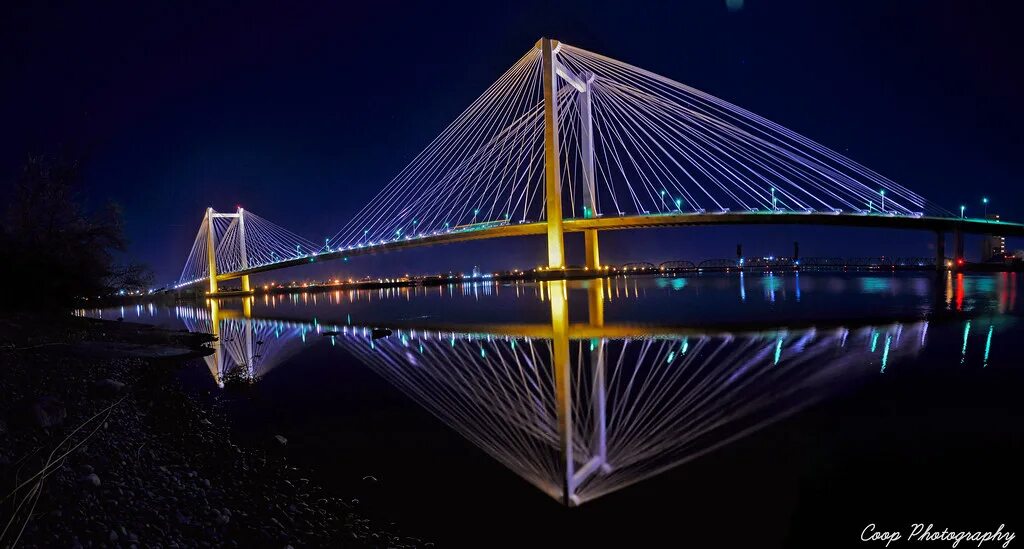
[{"x": 55, "y": 250}]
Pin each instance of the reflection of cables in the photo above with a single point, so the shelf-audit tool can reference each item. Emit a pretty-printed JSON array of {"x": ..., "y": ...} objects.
[
  {"x": 249, "y": 348},
  {"x": 638, "y": 405},
  {"x": 663, "y": 400}
]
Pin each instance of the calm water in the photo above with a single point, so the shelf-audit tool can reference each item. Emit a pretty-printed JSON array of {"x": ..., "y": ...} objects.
[{"x": 712, "y": 411}]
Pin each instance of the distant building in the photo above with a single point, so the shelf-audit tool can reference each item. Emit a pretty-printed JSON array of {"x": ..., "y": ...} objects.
[
  {"x": 993, "y": 248},
  {"x": 476, "y": 271}
]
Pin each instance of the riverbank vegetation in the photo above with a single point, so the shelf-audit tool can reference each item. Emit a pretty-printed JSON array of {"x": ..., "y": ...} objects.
[{"x": 55, "y": 248}]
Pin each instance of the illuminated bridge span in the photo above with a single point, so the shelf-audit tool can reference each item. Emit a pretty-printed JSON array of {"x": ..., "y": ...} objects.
[{"x": 567, "y": 140}]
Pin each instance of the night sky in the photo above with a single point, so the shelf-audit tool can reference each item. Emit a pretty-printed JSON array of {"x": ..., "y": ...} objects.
[{"x": 302, "y": 112}]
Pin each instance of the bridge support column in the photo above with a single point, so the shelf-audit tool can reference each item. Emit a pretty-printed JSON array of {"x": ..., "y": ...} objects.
[
  {"x": 584, "y": 101},
  {"x": 242, "y": 250},
  {"x": 958, "y": 247},
  {"x": 940, "y": 250},
  {"x": 593, "y": 253},
  {"x": 211, "y": 250},
  {"x": 552, "y": 173}
]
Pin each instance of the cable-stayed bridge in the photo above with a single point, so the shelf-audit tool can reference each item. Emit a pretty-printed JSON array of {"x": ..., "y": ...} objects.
[{"x": 567, "y": 140}]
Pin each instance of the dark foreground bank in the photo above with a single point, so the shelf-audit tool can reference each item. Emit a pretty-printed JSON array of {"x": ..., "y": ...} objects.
[{"x": 99, "y": 446}]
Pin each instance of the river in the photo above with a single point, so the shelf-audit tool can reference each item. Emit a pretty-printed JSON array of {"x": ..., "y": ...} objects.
[{"x": 711, "y": 410}]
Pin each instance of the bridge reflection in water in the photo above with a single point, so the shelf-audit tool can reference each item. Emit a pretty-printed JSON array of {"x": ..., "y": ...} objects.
[{"x": 581, "y": 410}]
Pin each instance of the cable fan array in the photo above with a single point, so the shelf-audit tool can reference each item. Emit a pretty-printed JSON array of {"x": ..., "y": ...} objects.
[
  {"x": 197, "y": 266},
  {"x": 486, "y": 168},
  {"x": 264, "y": 243},
  {"x": 658, "y": 147},
  {"x": 664, "y": 147}
]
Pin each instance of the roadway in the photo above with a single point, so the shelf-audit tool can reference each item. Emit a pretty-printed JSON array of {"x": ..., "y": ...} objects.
[{"x": 923, "y": 223}]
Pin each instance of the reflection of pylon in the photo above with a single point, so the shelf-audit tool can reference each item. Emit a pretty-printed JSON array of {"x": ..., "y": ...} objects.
[{"x": 575, "y": 411}]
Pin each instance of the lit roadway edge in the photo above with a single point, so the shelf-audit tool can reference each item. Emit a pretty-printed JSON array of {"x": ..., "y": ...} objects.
[{"x": 944, "y": 224}]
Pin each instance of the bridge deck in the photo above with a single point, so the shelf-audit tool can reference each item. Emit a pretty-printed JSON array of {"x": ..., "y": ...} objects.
[{"x": 975, "y": 226}]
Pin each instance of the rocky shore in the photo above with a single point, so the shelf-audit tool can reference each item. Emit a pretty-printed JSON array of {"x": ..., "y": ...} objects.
[{"x": 100, "y": 447}]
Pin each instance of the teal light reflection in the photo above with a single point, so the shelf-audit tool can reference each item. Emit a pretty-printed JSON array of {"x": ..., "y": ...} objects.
[
  {"x": 988, "y": 346},
  {"x": 963, "y": 350},
  {"x": 885, "y": 352}
]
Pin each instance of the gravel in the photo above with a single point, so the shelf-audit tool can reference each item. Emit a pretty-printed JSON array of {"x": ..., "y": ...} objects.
[{"x": 132, "y": 460}]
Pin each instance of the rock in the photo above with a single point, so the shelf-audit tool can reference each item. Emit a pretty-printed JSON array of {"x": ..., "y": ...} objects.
[
  {"x": 281, "y": 440},
  {"x": 92, "y": 479},
  {"x": 85, "y": 469},
  {"x": 43, "y": 412},
  {"x": 113, "y": 536},
  {"x": 107, "y": 388}
]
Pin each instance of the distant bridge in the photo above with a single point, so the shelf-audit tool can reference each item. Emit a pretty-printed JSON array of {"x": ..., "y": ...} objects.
[{"x": 571, "y": 141}]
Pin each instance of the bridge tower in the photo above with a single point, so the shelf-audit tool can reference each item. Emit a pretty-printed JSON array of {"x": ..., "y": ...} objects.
[
  {"x": 241, "y": 245},
  {"x": 553, "y": 70},
  {"x": 587, "y": 158},
  {"x": 552, "y": 173},
  {"x": 211, "y": 246},
  {"x": 211, "y": 249}
]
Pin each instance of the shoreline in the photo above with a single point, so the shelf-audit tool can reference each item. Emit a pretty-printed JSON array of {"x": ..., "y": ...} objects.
[
  {"x": 432, "y": 281},
  {"x": 100, "y": 445}
]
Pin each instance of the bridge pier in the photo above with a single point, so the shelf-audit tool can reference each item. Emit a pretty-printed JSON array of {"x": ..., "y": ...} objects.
[
  {"x": 593, "y": 253},
  {"x": 940, "y": 250}
]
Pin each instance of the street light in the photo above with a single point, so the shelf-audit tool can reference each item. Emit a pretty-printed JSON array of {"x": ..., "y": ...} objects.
[
  {"x": 882, "y": 192},
  {"x": 984, "y": 200},
  {"x": 962, "y": 208}
]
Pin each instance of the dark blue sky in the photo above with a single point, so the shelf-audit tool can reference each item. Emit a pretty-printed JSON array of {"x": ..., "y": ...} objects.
[{"x": 302, "y": 112}]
